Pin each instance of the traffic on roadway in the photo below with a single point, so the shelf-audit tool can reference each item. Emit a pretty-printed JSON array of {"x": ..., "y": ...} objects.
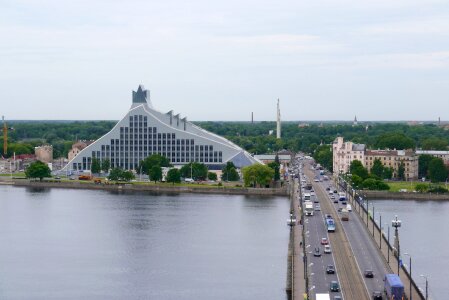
[{"x": 342, "y": 259}]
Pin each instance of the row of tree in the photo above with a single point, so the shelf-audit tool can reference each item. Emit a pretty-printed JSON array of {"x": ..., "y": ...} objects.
[
  {"x": 254, "y": 138},
  {"x": 361, "y": 178},
  {"x": 432, "y": 168}
]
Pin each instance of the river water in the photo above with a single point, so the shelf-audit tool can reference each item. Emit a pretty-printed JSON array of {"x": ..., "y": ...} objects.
[
  {"x": 82, "y": 244},
  {"x": 424, "y": 236}
]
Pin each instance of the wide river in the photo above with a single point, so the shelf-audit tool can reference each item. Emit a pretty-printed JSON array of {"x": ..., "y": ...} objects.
[
  {"x": 424, "y": 235},
  {"x": 82, "y": 244}
]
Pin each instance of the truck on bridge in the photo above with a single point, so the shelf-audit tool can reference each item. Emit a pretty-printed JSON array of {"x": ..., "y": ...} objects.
[
  {"x": 322, "y": 297},
  {"x": 308, "y": 208},
  {"x": 394, "y": 288}
]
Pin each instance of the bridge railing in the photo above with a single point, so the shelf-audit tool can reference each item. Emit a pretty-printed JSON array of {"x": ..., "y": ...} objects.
[{"x": 363, "y": 211}]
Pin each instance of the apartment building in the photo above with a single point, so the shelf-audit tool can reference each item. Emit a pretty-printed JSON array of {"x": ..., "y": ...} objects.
[
  {"x": 344, "y": 153},
  {"x": 393, "y": 159}
]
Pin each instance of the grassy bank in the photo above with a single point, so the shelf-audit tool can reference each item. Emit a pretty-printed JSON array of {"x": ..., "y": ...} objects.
[{"x": 396, "y": 186}]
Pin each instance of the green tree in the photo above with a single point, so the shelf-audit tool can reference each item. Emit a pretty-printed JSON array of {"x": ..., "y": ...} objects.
[
  {"x": 434, "y": 143},
  {"x": 151, "y": 161},
  {"x": 197, "y": 170},
  {"x": 105, "y": 165},
  {"x": 275, "y": 165},
  {"x": 277, "y": 174},
  {"x": 357, "y": 168},
  {"x": 118, "y": 174},
  {"x": 95, "y": 166},
  {"x": 38, "y": 169},
  {"x": 257, "y": 174},
  {"x": 377, "y": 168},
  {"x": 229, "y": 172},
  {"x": 356, "y": 181},
  {"x": 395, "y": 140},
  {"x": 323, "y": 155},
  {"x": 401, "y": 171},
  {"x": 421, "y": 187},
  {"x": 174, "y": 176},
  {"x": 369, "y": 184},
  {"x": 423, "y": 165},
  {"x": 388, "y": 173},
  {"x": 382, "y": 185},
  {"x": 155, "y": 173},
  {"x": 127, "y": 175},
  {"x": 437, "y": 170},
  {"x": 115, "y": 174},
  {"x": 212, "y": 176}
]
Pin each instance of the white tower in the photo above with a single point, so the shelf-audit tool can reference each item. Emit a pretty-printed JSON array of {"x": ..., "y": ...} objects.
[{"x": 278, "y": 122}]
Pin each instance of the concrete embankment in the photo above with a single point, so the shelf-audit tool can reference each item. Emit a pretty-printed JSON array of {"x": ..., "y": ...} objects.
[
  {"x": 155, "y": 188},
  {"x": 404, "y": 195}
]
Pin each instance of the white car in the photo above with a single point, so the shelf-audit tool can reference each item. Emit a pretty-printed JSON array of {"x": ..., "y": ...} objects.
[
  {"x": 327, "y": 249},
  {"x": 189, "y": 180}
]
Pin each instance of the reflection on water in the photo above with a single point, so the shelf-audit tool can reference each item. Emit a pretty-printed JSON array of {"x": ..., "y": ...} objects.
[{"x": 74, "y": 244}]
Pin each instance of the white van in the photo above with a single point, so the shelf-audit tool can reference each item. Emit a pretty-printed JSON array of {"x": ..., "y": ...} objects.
[{"x": 349, "y": 207}]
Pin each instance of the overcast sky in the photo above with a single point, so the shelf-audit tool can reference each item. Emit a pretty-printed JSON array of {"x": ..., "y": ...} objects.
[{"x": 222, "y": 60}]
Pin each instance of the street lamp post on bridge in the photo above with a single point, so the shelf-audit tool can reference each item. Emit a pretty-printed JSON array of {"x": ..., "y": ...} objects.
[{"x": 396, "y": 224}]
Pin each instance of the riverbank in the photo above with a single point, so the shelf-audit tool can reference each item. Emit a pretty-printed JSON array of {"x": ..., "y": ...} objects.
[
  {"x": 385, "y": 195},
  {"x": 163, "y": 188}
]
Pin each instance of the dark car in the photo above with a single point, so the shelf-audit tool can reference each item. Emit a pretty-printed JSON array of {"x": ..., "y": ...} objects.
[
  {"x": 335, "y": 191},
  {"x": 377, "y": 295},
  {"x": 328, "y": 189},
  {"x": 327, "y": 216},
  {"x": 335, "y": 201},
  {"x": 317, "y": 252},
  {"x": 334, "y": 286},
  {"x": 337, "y": 297},
  {"x": 369, "y": 274},
  {"x": 330, "y": 269},
  {"x": 339, "y": 209}
]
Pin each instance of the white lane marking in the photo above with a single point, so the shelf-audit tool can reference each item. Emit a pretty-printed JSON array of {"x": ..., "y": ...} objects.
[{"x": 344, "y": 231}]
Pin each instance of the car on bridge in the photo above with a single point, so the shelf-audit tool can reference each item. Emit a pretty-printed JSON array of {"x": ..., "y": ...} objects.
[
  {"x": 327, "y": 249},
  {"x": 369, "y": 273},
  {"x": 377, "y": 295},
  {"x": 317, "y": 252},
  {"x": 330, "y": 269},
  {"x": 324, "y": 241},
  {"x": 334, "y": 286}
]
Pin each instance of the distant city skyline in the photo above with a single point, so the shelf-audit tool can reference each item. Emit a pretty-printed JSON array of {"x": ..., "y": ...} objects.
[{"x": 325, "y": 60}]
